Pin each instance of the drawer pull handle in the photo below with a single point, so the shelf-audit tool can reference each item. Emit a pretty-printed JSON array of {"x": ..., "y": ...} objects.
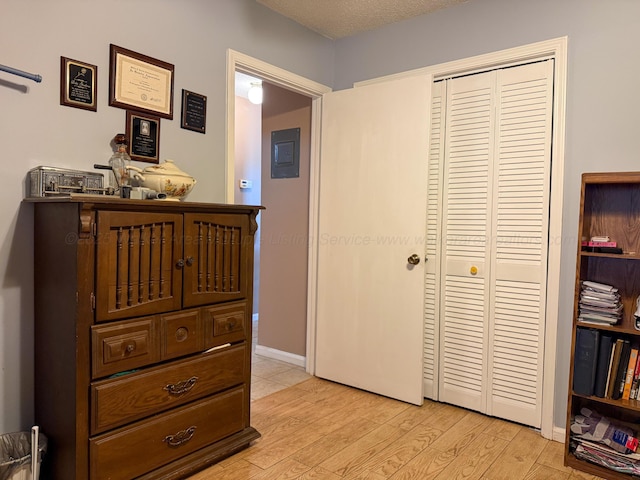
[
  {"x": 180, "y": 438},
  {"x": 231, "y": 325},
  {"x": 181, "y": 387},
  {"x": 189, "y": 261},
  {"x": 130, "y": 348}
]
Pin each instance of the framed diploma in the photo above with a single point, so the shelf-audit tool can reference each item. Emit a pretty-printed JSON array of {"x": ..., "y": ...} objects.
[
  {"x": 78, "y": 84},
  {"x": 194, "y": 111},
  {"x": 143, "y": 135},
  {"x": 138, "y": 82}
]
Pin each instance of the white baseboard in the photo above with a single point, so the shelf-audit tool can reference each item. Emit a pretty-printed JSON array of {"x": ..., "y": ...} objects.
[
  {"x": 558, "y": 434},
  {"x": 286, "y": 357}
]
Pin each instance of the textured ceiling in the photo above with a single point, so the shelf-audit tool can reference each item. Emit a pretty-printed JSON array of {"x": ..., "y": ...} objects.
[{"x": 342, "y": 18}]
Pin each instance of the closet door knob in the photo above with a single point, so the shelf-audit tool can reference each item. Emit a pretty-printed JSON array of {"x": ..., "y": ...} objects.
[{"x": 414, "y": 259}]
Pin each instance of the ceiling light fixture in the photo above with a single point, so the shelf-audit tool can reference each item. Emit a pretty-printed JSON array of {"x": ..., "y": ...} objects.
[{"x": 255, "y": 93}]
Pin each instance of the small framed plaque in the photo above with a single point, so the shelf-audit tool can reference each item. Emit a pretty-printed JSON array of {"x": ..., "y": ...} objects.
[
  {"x": 139, "y": 82},
  {"x": 143, "y": 135},
  {"x": 194, "y": 111},
  {"x": 78, "y": 84}
]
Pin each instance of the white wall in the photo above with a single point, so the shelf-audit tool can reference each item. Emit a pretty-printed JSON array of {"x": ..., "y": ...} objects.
[
  {"x": 602, "y": 128},
  {"x": 248, "y": 166},
  {"x": 35, "y": 129}
]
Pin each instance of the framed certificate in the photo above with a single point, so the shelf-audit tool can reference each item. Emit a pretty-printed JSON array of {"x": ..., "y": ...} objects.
[
  {"x": 138, "y": 82},
  {"x": 143, "y": 135},
  {"x": 78, "y": 84}
]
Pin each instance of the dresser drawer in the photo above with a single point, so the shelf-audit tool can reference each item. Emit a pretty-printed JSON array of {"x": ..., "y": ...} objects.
[
  {"x": 115, "y": 402},
  {"x": 180, "y": 334},
  {"x": 225, "y": 323},
  {"x": 147, "y": 445},
  {"x": 123, "y": 346}
]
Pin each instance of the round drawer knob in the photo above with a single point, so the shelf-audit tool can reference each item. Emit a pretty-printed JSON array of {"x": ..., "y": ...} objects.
[{"x": 181, "y": 334}]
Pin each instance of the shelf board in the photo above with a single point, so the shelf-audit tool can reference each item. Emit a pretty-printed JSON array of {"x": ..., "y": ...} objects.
[
  {"x": 620, "y": 256},
  {"x": 610, "y": 328},
  {"x": 633, "y": 405}
]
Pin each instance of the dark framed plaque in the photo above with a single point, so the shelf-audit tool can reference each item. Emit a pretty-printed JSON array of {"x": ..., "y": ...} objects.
[
  {"x": 78, "y": 84},
  {"x": 194, "y": 111},
  {"x": 139, "y": 82},
  {"x": 143, "y": 135}
]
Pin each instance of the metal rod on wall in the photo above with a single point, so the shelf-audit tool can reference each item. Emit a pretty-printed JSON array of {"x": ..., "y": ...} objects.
[{"x": 31, "y": 76}]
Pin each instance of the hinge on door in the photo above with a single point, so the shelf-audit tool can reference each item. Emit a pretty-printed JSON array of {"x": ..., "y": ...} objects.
[
  {"x": 94, "y": 229},
  {"x": 93, "y": 301}
]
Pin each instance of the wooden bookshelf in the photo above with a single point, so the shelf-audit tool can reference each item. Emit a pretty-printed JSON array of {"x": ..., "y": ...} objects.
[{"x": 609, "y": 205}]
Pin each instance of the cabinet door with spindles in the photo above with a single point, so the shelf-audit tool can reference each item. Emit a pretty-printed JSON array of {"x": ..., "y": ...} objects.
[
  {"x": 217, "y": 248},
  {"x": 139, "y": 264}
]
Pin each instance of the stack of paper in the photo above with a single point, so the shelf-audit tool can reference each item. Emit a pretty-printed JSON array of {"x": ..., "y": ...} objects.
[
  {"x": 607, "y": 457},
  {"x": 599, "y": 304}
]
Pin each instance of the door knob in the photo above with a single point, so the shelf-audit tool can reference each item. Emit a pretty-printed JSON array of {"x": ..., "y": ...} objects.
[{"x": 414, "y": 259}]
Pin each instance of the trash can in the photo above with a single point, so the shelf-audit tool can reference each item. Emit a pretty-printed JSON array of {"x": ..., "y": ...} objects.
[{"x": 17, "y": 460}]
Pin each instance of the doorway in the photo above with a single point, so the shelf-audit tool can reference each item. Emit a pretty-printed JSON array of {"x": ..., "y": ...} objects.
[{"x": 282, "y": 297}]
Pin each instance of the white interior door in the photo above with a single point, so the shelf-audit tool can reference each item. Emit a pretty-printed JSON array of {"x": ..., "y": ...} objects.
[{"x": 373, "y": 187}]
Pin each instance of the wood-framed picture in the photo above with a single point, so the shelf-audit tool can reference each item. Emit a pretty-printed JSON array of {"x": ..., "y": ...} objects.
[
  {"x": 139, "y": 82},
  {"x": 143, "y": 137},
  {"x": 194, "y": 111},
  {"x": 78, "y": 84}
]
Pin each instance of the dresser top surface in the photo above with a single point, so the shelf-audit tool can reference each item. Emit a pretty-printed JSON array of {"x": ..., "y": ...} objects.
[{"x": 110, "y": 203}]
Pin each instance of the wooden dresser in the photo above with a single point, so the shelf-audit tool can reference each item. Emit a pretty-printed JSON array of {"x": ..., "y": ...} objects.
[{"x": 142, "y": 335}]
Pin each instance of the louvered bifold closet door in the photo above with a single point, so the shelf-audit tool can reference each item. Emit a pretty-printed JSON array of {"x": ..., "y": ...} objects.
[
  {"x": 466, "y": 218},
  {"x": 520, "y": 237},
  {"x": 433, "y": 244}
]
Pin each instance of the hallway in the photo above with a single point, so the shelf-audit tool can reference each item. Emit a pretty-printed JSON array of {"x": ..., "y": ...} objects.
[{"x": 268, "y": 375}]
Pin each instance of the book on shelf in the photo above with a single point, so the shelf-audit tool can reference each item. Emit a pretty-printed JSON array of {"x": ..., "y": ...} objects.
[
  {"x": 607, "y": 389},
  {"x": 591, "y": 243},
  {"x": 631, "y": 368},
  {"x": 603, "y": 364},
  {"x": 615, "y": 362},
  {"x": 585, "y": 360},
  {"x": 635, "y": 384},
  {"x": 621, "y": 375}
]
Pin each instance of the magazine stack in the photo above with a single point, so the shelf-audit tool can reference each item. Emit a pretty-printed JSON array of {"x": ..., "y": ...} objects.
[{"x": 599, "y": 304}]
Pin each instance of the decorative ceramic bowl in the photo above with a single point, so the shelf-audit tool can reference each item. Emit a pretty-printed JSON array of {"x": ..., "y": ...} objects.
[{"x": 165, "y": 178}]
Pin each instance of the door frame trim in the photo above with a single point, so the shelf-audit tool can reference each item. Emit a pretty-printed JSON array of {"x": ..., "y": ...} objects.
[
  {"x": 239, "y": 62},
  {"x": 557, "y": 49}
]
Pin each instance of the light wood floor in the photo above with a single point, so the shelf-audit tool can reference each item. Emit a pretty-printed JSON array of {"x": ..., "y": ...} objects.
[{"x": 321, "y": 430}]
